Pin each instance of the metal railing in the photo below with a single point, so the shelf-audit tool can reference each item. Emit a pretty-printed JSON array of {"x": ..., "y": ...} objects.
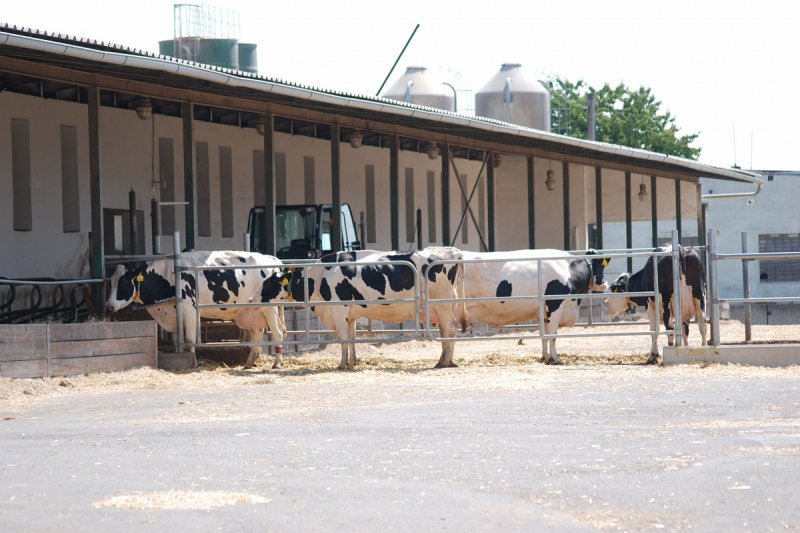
[
  {"x": 715, "y": 300},
  {"x": 67, "y": 300}
]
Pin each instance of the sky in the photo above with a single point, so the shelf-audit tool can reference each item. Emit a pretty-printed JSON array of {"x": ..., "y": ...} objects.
[{"x": 727, "y": 71}]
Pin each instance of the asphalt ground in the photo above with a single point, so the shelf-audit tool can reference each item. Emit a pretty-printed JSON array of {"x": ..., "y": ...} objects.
[{"x": 502, "y": 443}]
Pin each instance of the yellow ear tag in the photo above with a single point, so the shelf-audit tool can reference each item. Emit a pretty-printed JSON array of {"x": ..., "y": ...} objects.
[
  {"x": 284, "y": 282},
  {"x": 137, "y": 299},
  {"x": 605, "y": 262}
]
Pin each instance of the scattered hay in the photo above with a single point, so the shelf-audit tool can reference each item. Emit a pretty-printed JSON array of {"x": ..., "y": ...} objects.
[{"x": 176, "y": 500}]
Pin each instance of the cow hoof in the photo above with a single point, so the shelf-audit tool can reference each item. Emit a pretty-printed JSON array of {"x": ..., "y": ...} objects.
[
  {"x": 653, "y": 359},
  {"x": 276, "y": 366},
  {"x": 446, "y": 365},
  {"x": 552, "y": 361}
]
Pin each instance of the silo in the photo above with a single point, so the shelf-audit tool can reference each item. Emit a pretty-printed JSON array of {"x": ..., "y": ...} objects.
[
  {"x": 418, "y": 87},
  {"x": 219, "y": 52},
  {"x": 248, "y": 59},
  {"x": 510, "y": 97}
]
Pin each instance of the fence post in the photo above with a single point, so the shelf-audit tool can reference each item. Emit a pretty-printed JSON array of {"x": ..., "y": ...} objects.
[
  {"x": 246, "y": 242},
  {"x": 676, "y": 288},
  {"x": 178, "y": 294},
  {"x": 748, "y": 317},
  {"x": 712, "y": 285}
]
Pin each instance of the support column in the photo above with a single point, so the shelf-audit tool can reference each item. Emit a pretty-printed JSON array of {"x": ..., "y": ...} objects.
[
  {"x": 490, "y": 202},
  {"x": 628, "y": 218},
  {"x": 269, "y": 185},
  {"x": 96, "y": 246},
  {"x": 187, "y": 112},
  {"x": 678, "y": 209},
  {"x": 531, "y": 206},
  {"x": 598, "y": 204},
  {"x": 654, "y": 211},
  {"x": 445, "y": 151},
  {"x": 394, "y": 191},
  {"x": 336, "y": 187},
  {"x": 567, "y": 223}
]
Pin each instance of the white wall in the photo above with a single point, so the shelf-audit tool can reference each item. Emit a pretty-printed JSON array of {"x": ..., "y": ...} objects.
[{"x": 773, "y": 210}]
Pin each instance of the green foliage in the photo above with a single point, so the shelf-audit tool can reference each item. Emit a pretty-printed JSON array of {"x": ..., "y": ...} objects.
[{"x": 623, "y": 116}]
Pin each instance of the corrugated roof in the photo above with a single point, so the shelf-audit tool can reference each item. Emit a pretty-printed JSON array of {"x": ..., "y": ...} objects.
[{"x": 125, "y": 57}]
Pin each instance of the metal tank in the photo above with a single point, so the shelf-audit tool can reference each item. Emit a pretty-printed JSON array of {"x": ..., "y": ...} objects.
[
  {"x": 510, "y": 97},
  {"x": 418, "y": 87},
  {"x": 219, "y": 52},
  {"x": 248, "y": 59}
]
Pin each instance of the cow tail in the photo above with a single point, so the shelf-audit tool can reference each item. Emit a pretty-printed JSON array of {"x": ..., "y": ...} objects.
[{"x": 461, "y": 310}]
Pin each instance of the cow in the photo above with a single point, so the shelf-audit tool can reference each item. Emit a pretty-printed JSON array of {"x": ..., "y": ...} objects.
[
  {"x": 153, "y": 286},
  {"x": 693, "y": 299},
  {"x": 516, "y": 273},
  {"x": 388, "y": 277}
]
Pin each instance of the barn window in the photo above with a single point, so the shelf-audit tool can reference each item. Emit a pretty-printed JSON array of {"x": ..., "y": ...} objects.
[
  {"x": 70, "y": 185},
  {"x": 775, "y": 271},
  {"x": 203, "y": 190},
  {"x": 309, "y": 179},
  {"x": 369, "y": 174},
  {"x": 431, "y": 206},
  {"x": 166, "y": 173},
  {"x": 21, "y": 174},
  {"x": 226, "y": 190},
  {"x": 411, "y": 218}
]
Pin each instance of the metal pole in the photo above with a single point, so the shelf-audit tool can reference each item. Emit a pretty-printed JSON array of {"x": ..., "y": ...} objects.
[
  {"x": 403, "y": 51},
  {"x": 712, "y": 286},
  {"x": 676, "y": 288},
  {"x": 155, "y": 215},
  {"x": 246, "y": 242},
  {"x": 748, "y": 317},
  {"x": 419, "y": 229}
]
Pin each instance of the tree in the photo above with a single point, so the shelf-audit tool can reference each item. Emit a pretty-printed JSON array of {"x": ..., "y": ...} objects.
[{"x": 622, "y": 116}]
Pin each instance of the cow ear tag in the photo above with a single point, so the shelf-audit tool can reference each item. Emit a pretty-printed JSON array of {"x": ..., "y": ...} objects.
[
  {"x": 284, "y": 281},
  {"x": 605, "y": 262},
  {"x": 136, "y": 296}
]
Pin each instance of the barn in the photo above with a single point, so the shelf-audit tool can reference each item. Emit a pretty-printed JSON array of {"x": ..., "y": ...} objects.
[{"x": 99, "y": 140}]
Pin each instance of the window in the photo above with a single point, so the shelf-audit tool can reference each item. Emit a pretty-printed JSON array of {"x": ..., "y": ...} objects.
[
  {"x": 369, "y": 171},
  {"x": 308, "y": 179},
  {"x": 411, "y": 217},
  {"x": 775, "y": 271},
  {"x": 431, "y": 206},
  {"x": 21, "y": 174},
  {"x": 70, "y": 184},
  {"x": 203, "y": 190},
  {"x": 226, "y": 190}
]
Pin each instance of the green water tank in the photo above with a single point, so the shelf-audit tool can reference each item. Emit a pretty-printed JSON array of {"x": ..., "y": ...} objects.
[
  {"x": 219, "y": 52},
  {"x": 248, "y": 58}
]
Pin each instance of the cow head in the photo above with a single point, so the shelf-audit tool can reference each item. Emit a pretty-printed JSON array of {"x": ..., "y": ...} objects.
[
  {"x": 124, "y": 288},
  {"x": 277, "y": 286},
  {"x": 616, "y": 304},
  {"x": 598, "y": 266}
]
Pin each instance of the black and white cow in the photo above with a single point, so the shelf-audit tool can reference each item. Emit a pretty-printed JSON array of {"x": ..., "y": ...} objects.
[
  {"x": 154, "y": 286},
  {"x": 388, "y": 279},
  {"x": 693, "y": 298},
  {"x": 516, "y": 273}
]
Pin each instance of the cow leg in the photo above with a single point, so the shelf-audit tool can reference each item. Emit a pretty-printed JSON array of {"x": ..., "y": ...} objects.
[
  {"x": 651, "y": 317},
  {"x": 189, "y": 325},
  {"x": 254, "y": 335},
  {"x": 277, "y": 327},
  {"x": 549, "y": 355},
  {"x": 448, "y": 347},
  {"x": 701, "y": 319},
  {"x": 341, "y": 326},
  {"x": 351, "y": 332}
]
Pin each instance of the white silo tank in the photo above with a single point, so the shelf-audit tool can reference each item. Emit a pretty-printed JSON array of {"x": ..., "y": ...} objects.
[
  {"x": 417, "y": 86},
  {"x": 510, "y": 97}
]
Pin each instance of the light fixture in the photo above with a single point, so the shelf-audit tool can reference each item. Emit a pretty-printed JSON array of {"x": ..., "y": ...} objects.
[
  {"x": 432, "y": 150},
  {"x": 144, "y": 109},
  {"x": 356, "y": 138},
  {"x": 642, "y": 191},
  {"x": 550, "y": 181},
  {"x": 260, "y": 127},
  {"x": 496, "y": 159}
]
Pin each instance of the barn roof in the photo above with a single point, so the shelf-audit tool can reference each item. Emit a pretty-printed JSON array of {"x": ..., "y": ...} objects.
[{"x": 27, "y": 54}]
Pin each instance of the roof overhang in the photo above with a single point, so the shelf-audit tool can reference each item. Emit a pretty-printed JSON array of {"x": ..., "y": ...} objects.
[{"x": 427, "y": 123}]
